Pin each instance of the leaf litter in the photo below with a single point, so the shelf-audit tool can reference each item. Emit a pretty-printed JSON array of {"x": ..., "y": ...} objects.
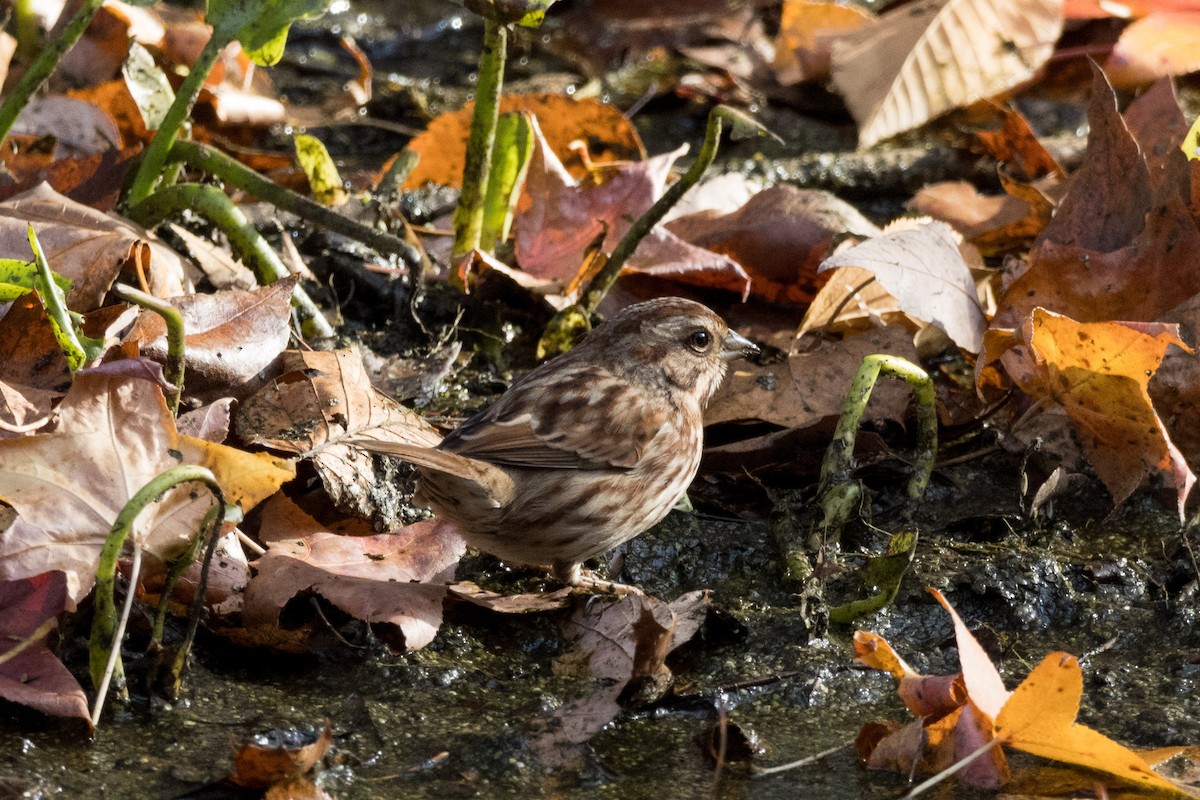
[{"x": 1094, "y": 295}]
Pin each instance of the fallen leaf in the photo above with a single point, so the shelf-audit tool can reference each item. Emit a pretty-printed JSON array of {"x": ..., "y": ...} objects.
[
  {"x": 230, "y": 337},
  {"x": 1140, "y": 281},
  {"x": 1161, "y": 44},
  {"x": 556, "y": 738},
  {"x": 21, "y": 407},
  {"x": 210, "y": 422},
  {"x": 617, "y": 641},
  {"x": 1157, "y": 124},
  {"x": 279, "y": 755},
  {"x": 851, "y": 302},
  {"x": 807, "y": 31},
  {"x": 87, "y": 246},
  {"x": 29, "y": 353},
  {"x": 983, "y": 682},
  {"x": 317, "y": 400},
  {"x": 812, "y": 385},
  {"x": 924, "y": 270},
  {"x": 609, "y": 136},
  {"x": 1106, "y": 204},
  {"x": 1099, "y": 373},
  {"x": 80, "y": 128},
  {"x": 778, "y": 236},
  {"x": 511, "y": 603},
  {"x": 397, "y": 578},
  {"x": 923, "y": 59},
  {"x": 111, "y": 435},
  {"x": 35, "y": 677},
  {"x": 1039, "y": 718},
  {"x": 994, "y": 223},
  {"x": 924, "y": 695},
  {"x": 1014, "y": 145},
  {"x": 558, "y": 219}
]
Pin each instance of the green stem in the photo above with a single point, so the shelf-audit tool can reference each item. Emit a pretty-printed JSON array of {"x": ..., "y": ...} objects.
[
  {"x": 174, "y": 571},
  {"x": 249, "y": 245},
  {"x": 839, "y": 457},
  {"x": 230, "y": 171},
  {"x": 155, "y": 157},
  {"x": 40, "y": 69},
  {"x": 231, "y": 515},
  {"x": 468, "y": 217},
  {"x": 104, "y": 620},
  {"x": 599, "y": 285},
  {"x": 173, "y": 369}
]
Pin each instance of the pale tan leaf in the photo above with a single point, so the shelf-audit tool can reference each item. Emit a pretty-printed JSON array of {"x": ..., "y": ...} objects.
[
  {"x": 924, "y": 270},
  {"x": 111, "y": 436},
  {"x": 1159, "y": 45},
  {"x": 929, "y": 57}
]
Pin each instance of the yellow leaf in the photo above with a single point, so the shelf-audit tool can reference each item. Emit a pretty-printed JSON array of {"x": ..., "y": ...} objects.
[
  {"x": 1039, "y": 718},
  {"x": 246, "y": 478}
]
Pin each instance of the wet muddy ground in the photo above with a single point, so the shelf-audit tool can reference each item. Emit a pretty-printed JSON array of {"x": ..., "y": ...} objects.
[{"x": 456, "y": 719}]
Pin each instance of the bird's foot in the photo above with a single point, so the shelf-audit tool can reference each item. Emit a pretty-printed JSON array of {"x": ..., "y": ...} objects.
[{"x": 576, "y": 577}]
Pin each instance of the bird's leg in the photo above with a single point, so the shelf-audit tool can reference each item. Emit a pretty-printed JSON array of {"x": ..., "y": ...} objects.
[{"x": 575, "y": 576}]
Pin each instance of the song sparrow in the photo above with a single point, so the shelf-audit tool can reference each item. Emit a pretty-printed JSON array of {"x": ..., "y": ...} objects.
[{"x": 589, "y": 449}]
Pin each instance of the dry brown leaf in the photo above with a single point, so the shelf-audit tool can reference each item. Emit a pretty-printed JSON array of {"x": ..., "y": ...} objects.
[
  {"x": 397, "y": 578},
  {"x": 778, "y": 236},
  {"x": 993, "y": 223},
  {"x": 1013, "y": 144},
  {"x": 210, "y": 422},
  {"x": 1109, "y": 196},
  {"x": 29, "y": 353},
  {"x": 1139, "y": 282},
  {"x": 923, "y": 268},
  {"x": 230, "y": 337},
  {"x": 279, "y": 757},
  {"x": 80, "y": 128},
  {"x": 114, "y": 97},
  {"x": 87, "y": 246},
  {"x": 1175, "y": 387},
  {"x": 811, "y": 386},
  {"x": 110, "y": 437},
  {"x": 556, "y": 739},
  {"x": 511, "y": 603},
  {"x": 22, "y": 406},
  {"x": 631, "y": 637},
  {"x": 558, "y": 219},
  {"x": 318, "y": 399},
  {"x": 1158, "y": 126},
  {"x": 928, "y": 57},
  {"x": 851, "y": 302}
]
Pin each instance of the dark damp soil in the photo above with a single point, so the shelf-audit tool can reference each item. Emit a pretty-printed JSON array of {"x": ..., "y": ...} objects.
[{"x": 455, "y": 719}]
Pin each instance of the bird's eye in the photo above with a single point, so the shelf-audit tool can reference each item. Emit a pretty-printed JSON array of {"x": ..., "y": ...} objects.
[{"x": 699, "y": 340}]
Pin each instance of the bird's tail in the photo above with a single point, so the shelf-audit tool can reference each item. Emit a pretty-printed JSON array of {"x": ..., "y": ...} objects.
[{"x": 497, "y": 484}]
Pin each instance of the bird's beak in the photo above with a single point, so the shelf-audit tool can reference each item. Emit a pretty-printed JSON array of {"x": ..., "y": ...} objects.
[{"x": 737, "y": 346}]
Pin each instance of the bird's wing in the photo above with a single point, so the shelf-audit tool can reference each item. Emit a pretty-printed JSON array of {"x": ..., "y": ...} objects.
[{"x": 577, "y": 418}]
